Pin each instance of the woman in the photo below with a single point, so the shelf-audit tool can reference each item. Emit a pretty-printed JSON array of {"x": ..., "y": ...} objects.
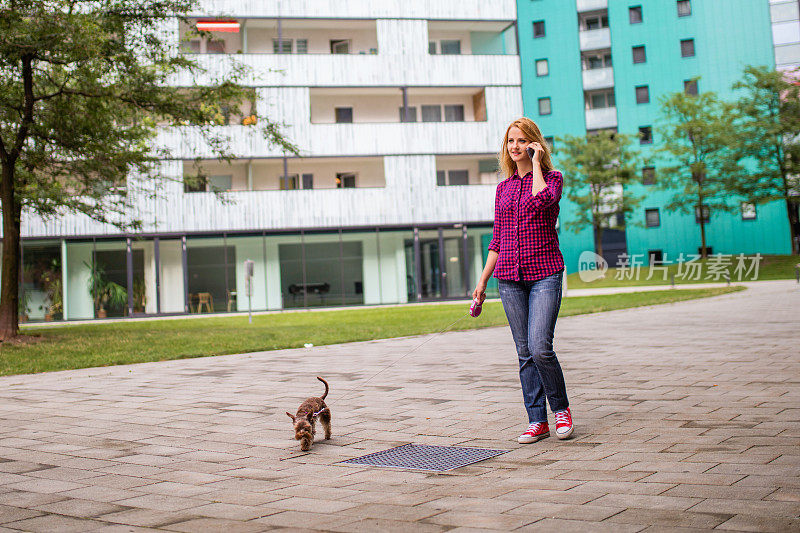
[{"x": 525, "y": 258}]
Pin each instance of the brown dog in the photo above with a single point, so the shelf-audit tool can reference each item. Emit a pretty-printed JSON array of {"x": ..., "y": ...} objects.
[{"x": 307, "y": 415}]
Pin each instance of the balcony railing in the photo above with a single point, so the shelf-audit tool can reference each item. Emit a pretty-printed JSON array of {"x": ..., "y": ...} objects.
[
  {"x": 605, "y": 117},
  {"x": 595, "y": 39},
  {"x": 598, "y": 78},
  {"x": 397, "y": 70},
  {"x": 591, "y": 5}
]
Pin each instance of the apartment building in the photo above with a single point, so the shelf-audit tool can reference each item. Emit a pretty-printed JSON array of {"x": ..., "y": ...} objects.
[
  {"x": 590, "y": 65},
  {"x": 398, "y": 111}
]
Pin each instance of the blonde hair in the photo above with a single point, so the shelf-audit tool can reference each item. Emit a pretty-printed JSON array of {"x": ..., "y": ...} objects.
[{"x": 532, "y": 132}]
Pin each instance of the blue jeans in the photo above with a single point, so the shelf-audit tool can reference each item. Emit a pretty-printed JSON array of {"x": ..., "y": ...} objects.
[{"x": 532, "y": 308}]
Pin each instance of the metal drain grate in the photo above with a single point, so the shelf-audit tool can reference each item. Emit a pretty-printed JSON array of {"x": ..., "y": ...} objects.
[{"x": 424, "y": 457}]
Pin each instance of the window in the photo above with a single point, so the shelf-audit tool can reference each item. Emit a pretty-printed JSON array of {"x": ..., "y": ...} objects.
[
  {"x": 542, "y": 68},
  {"x": 457, "y": 177},
  {"x": 411, "y": 116},
  {"x": 544, "y": 106},
  {"x": 600, "y": 99},
  {"x": 432, "y": 47},
  {"x": 649, "y": 176},
  {"x": 655, "y": 257},
  {"x": 687, "y": 48},
  {"x": 690, "y": 87},
  {"x": 194, "y": 184},
  {"x": 652, "y": 218},
  {"x": 642, "y": 94},
  {"x": 345, "y": 180},
  {"x": 706, "y": 214},
  {"x": 645, "y": 134},
  {"x": 639, "y": 55},
  {"x": 594, "y": 60},
  {"x": 344, "y": 115},
  {"x": 220, "y": 183},
  {"x": 748, "y": 211},
  {"x": 308, "y": 181},
  {"x": 215, "y": 47},
  {"x": 284, "y": 46},
  {"x": 684, "y": 8},
  {"x": 538, "y": 29},
  {"x": 594, "y": 21},
  {"x": 635, "y": 14},
  {"x": 451, "y": 47},
  {"x": 302, "y": 46},
  {"x": 452, "y": 177},
  {"x": 431, "y": 113},
  {"x": 454, "y": 113},
  {"x": 289, "y": 182},
  {"x": 341, "y": 46}
]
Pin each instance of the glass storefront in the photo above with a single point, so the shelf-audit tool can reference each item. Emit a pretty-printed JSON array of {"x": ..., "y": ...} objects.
[
  {"x": 41, "y": 297},
  {"x": 107, "y": 278}
]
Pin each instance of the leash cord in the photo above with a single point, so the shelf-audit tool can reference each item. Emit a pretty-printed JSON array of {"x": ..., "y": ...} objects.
[
  {"x": 415, "y": 348},
  {"x": 430, "y": 338}
]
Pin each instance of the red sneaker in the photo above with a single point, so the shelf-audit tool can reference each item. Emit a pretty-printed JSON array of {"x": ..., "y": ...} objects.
[
  {"x": 564, "y": 425},
  {"x": 535, "y": 431}
]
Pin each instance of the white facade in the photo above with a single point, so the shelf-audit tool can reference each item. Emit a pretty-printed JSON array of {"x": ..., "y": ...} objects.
[
  {"x": 344, "y": 79},
  {"x": 296, "y": 89}
]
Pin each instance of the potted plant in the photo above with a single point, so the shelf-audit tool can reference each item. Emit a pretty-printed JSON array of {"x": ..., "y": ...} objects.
[
  {"x": 139, "y": 296},
  {"x": 24, "y": 301},
  {"x": 104, "y": 292},
  {"x": 50, "y": 281}
]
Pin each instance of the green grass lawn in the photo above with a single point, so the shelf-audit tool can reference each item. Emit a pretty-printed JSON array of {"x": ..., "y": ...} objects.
[
  {"x": 770, "y": 267},
  {"x": 69, "y": 347}
]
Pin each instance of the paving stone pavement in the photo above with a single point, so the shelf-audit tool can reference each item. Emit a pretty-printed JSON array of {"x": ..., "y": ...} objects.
[{"x": 687, "y": 418}]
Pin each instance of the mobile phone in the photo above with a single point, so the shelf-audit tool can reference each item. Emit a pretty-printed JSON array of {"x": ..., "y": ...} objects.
[{"x": 530, "y": 151}]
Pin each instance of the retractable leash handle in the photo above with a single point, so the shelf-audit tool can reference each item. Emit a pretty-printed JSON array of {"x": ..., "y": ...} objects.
[{"x": 475, "y": 308}]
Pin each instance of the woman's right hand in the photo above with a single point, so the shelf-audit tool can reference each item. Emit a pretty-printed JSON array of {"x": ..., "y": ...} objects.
[{"x": 480, "y": 292}]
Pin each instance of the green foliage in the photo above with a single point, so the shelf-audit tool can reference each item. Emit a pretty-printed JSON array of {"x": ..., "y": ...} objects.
[
  {"x": 599, "y": 167},
  {"x": 702, "y": 168},
  {"x": 767, "y": 137},
  {"x": 84, "y": 85}
]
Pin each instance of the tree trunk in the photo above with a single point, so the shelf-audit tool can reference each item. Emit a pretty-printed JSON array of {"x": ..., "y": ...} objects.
[
  {"x": 794, "y": 225},
  {"x": 702, "y": 234},
  {"x": 9, "y": 291},
  {"x": 598, "y": 240}
]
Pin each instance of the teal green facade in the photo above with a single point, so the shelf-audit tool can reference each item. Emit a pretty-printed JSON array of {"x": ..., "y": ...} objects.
[{"x": 728, "y": 35}]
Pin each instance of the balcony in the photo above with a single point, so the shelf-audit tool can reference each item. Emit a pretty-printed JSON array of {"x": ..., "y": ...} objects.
[
  {"x": 595, "y": 39},
  {"x": 268, "y": 174},
  {"x": 598, "y": 78},
  {"x": 384, "y": 105},
  {"x": 452, "y": 170},
  {"x": 472, "y": 38},
  {"x": 602, "y": 118},
  {"x": 281, "y": 36}
]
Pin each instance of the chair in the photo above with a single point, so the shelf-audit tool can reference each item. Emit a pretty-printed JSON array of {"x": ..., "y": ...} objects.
[
  {"x": 207, "y": 299},
  {"x": 231, "y": 299}
]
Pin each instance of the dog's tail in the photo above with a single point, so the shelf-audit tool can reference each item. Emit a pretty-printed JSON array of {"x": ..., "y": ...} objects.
[{"x": 326, "y": 387}]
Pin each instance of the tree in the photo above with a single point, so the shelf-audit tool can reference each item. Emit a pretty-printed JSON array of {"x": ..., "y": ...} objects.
[
  {"x": 701, "y": 169},
  {"x": 599, "y": 166},
  {"x": 768, "y": 139},
  {"x": 83, "y": 87}
]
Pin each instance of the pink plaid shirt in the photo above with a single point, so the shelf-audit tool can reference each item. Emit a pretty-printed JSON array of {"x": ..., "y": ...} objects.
[{"x": 524, "y": 233}]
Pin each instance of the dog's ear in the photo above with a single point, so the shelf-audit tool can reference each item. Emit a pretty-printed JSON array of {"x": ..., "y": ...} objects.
[{"x": 290, "y": 415}]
